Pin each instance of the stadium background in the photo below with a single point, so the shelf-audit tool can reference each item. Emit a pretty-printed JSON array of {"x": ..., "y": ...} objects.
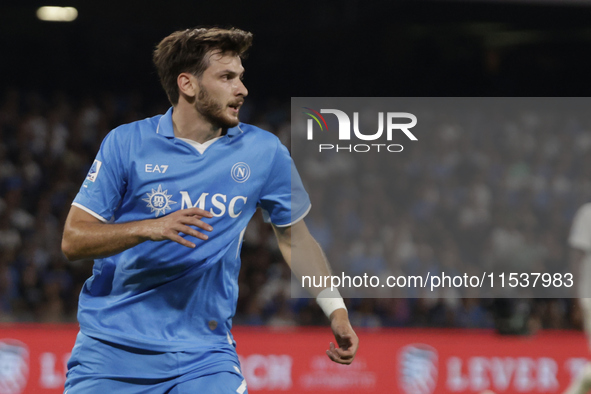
[{"x": 63, "y": 86}]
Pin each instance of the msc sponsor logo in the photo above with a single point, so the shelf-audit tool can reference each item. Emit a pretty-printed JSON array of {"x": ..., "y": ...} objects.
[
  {"x": 159, "y": 201},
  {"x": 218, "y": 200},
  {"x": 344, "y": 130},
  {"x": 418, "y": 369}
]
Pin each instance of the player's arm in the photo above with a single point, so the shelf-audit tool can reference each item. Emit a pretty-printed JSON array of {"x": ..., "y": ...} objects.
[
  {"x": 85, "y": 236},
  {"x": 297, "y": 240}
]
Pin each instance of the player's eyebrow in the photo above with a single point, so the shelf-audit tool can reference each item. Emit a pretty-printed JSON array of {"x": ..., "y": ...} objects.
[{"x": 231, "y": 72}]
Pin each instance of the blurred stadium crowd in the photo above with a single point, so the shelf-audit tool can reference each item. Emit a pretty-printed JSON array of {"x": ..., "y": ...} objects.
[
  {"x": 486, "y": 190},
  {"x": 455, "y": 202}
]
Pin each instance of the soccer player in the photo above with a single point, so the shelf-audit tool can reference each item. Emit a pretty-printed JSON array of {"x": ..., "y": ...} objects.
[
  {"x": 580, "y": 241},
  {"x": 163, "y": 211}
]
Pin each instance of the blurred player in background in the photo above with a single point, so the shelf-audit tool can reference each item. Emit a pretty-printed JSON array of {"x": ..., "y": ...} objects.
[
  {"x": 156, "y": 314},
  {"x": 580, "y": 241}
]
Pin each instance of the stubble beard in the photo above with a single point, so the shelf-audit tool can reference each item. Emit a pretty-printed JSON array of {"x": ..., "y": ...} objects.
[{"x": 213, "y": 111}]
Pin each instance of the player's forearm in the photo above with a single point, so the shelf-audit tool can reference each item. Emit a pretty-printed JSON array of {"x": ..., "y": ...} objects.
[
  {"x": 308, "y": 259},
  {"x": 85, "y": 236},
  {"x": 87, "y": 240},
  {"x": 302, "y": 253}
]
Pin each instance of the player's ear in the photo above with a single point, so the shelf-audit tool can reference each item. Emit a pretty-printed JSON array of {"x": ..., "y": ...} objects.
[{"x": 187, "y": 84}]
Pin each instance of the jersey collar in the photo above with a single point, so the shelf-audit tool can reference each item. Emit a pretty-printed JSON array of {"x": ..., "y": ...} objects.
[
  {"x": 165, "y": 128},
  {"x": 165, "y": 125}
]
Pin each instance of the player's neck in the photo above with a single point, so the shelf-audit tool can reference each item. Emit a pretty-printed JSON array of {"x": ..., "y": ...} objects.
[{"x": 190, "y": 124}]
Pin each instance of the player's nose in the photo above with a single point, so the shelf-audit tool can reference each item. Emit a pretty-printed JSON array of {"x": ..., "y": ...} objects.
[{"x": 241, "y": 89}]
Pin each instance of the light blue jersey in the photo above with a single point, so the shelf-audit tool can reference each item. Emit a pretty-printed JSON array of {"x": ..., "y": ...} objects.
[{"x": 163, "y": 296}]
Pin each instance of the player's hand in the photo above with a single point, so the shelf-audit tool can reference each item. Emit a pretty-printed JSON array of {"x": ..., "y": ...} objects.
[
  {"x": 183, "y": 221},
  {"x": 345, "y": 337}
]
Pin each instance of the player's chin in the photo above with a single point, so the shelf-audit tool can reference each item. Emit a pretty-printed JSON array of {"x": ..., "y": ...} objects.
[{"x": 231, "y": 120}]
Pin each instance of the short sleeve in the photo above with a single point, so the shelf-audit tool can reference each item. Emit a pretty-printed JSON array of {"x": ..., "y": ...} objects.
[
  {"x": 105, "y": 183},
  {"x": 580, "y": 233},
  {"x": 283, "y": 198}
]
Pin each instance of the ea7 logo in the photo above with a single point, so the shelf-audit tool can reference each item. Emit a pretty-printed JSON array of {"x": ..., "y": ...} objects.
[
  {"x": 156, "y": 168},
  {"x": 345, "y": 124}
]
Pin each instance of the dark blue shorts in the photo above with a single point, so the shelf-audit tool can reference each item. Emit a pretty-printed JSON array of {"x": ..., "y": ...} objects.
[{"x": 101, "y": 367}]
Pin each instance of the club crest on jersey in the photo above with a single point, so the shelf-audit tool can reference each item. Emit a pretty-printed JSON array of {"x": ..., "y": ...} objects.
[
  {"x": 240, "y": 172},
  {"x": 159, "y": 201},
  {"x": 94, "y": 171},
  {"x": 417, "y": 366}
]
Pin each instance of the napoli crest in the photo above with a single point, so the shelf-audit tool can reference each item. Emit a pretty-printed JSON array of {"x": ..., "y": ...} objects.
[
  {"x": 159, "y": 201},
  {"x": 240, "y": 172},
  {"x": 14, "y": 366},
  {"x": 417, "y": 369}
]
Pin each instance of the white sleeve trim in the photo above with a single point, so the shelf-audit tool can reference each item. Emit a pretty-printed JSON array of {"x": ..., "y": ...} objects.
[
  {"x": 295, "y": 221},
  {"x": 96, "y": 215}
]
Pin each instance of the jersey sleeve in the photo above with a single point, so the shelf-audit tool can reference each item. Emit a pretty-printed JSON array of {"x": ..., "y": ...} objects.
[
  {"x": 283, "y": 198},
  {"x": 105, "y": 183},
  {"x": 580, "y": 233}
]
